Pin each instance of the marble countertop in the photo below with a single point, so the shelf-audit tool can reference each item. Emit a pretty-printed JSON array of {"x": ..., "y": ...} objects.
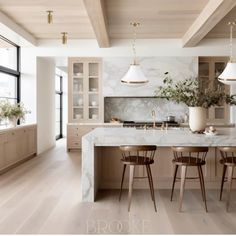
[{"x": 171, "y": 137}]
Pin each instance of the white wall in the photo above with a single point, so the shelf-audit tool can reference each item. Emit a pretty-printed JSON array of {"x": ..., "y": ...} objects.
[
  {"x": 85, "y": 48},
  {"x": 45, "y": 103}
]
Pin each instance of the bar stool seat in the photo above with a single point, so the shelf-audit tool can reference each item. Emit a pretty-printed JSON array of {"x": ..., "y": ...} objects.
[
  {"x": 189, "y": 157},
  {"x": 228, "y": 161},
  {"x": 137, "y": 155},
  {"x": 137, "y": 160},
  {"x": 188, "y": 161}
]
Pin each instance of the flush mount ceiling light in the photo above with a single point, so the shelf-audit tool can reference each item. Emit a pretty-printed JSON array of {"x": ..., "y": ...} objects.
[
  {"x": 134, "y": 75},
  {"x": 49, "y": 17},
  {"x": 64, "y": 37},
  {"x": 228, "y": 76}
]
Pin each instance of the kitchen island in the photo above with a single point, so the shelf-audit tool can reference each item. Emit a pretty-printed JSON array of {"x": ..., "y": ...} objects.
[{"x": 101, "y": 167}]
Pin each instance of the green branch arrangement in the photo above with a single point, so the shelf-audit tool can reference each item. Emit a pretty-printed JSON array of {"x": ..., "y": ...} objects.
[
  {"x": 11, "y": 111},
  {"x": 191, "y": 93}
]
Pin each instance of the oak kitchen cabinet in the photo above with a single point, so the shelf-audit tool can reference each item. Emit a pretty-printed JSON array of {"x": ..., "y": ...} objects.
[
  {"x": 16, "y": 145},
  {"x": 76, "y": 131}
]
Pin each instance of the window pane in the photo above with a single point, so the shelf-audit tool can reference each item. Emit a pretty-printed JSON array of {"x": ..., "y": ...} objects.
[
  {"x": 7, "y": 86},
  {"x": 57, "y": 127},
  {"x": 57, "y": 83},
  {"x": 8, "y": 55}
]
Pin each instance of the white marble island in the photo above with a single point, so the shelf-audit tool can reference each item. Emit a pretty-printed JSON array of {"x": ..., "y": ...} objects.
[{"x": 101, "y": 144}]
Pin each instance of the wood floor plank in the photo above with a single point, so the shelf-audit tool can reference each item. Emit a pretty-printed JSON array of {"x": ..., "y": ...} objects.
[{"x": 43, "y": 196}]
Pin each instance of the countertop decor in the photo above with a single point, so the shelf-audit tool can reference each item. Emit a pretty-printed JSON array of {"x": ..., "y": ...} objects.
[
  {"x": 192, "y": 93},
  {"x": 12, "y": 112}
]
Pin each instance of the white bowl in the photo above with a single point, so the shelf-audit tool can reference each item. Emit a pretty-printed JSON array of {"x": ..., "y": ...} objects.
[
  {"x": 78, "y": 116},
  {"x": 94, "y": 116},
  {"x": 94, "y": 103}
]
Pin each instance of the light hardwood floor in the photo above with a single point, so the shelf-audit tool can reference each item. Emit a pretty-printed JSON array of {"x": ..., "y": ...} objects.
[{"x": 43, "y": 196}]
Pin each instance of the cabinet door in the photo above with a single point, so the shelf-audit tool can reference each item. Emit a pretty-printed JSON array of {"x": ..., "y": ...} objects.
[
  {"x": 11, "y": 148},
  {"x": 2, "y": 151},
  {"x": 32, "y": 143},
  {"x": 23, "y": 144}
]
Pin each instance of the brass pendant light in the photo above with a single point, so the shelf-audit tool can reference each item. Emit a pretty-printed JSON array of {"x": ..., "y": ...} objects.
[
  {"x": 134, "y": 75},
  {"x": 228, "y": 76}
]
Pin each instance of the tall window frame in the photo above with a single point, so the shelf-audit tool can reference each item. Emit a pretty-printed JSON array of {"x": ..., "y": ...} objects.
[
  {"x": 59, "y": 92},
  {"x": 15, "y": 73}
]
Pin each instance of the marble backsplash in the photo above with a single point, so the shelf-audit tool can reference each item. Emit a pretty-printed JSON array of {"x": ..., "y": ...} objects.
[
  {"x": 154, "y": 68},
  {"x": 140, "y": 108}
]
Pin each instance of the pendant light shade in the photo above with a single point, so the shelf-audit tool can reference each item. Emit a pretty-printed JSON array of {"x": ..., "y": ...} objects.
[
  {"x": 228, "y": 76},
  {"x": 134, "y": 76}
]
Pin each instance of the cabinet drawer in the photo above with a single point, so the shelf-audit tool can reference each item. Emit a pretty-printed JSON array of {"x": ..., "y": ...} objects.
[
  {"x": 73, "y": 143},
  {"x": 3, "y": 138},
  {"x": 15, "y": 134}
]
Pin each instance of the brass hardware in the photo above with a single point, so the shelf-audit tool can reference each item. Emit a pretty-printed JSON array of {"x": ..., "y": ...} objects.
[
  {"x": 49, "y": 17},
  {"x": 64, "y": 37}
]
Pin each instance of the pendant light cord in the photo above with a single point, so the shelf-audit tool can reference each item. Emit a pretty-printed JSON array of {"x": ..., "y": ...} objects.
[
  {"x": 231, "y": 24},
  {"x": 134, "y": 24}
]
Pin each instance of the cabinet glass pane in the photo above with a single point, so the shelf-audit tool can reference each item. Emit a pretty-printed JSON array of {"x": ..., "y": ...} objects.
[
  {"x": 78, "y": 100},
  {"x": 77, "y": 85},
  {"x": 204, "y": 83},
  {"x": 78, "y": 113},
  {"x": 93, "y": 113},
  {"x": 219, "y": 67},
  {"x": 93, "y": 84},
  {"x": 203, "y": 69},
  {"x": 78, "y": 69},
  {"x": 219, "y": 113},
  {"x": 93, "y": 69}
]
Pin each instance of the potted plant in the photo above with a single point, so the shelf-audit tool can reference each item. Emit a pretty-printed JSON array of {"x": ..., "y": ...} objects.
[
  {"x": 12, "y": 112},
  {"x": 198, "y": 99}
]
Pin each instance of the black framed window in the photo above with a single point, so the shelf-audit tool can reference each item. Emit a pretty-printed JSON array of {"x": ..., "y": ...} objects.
[
  {"x": 9, "y": 71},
  {"x": 58, "y": 106}
]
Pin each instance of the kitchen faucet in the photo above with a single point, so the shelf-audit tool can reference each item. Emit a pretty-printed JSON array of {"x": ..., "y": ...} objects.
[{"x": 154, "y": 118}]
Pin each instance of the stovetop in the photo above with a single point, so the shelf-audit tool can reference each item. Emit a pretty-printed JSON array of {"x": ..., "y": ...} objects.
[{"x": 140, "y": 124}]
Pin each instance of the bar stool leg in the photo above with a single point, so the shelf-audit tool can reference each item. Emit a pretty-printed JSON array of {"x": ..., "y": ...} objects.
[
  {"x": 230, "y": 178},
  {"x": 131, "y": 181},
  {"x": 183, "y": 177},
  {"x": 149, "y": 180},
  {"x": 153, "y": 193},
  {"x": 200, "y": 180},
  {"x": 222, "y": 181},
  {"x": 203, "y": 187},
  {"x": 174, "y": 179},
  {"x": 121, "y": 186}
]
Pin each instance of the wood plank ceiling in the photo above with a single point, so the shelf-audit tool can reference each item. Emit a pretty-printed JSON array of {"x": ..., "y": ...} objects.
[
  {"x": 110, "y": 19},
  {"x": 158, "y": 18},
  {"x": 68, "y": 15}
]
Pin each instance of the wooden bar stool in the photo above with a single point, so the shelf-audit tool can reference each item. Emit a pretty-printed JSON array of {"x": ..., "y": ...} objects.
[
  {"x": 132, "y": 156},
  {"x": 186, "y": 157},
  {"x": 228, "y": 161}
]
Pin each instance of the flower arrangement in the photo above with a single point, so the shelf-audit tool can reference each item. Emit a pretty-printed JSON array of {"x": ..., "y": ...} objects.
[
  {"x": 12, "y": 111},
  {"x": 190, "y": 92}
]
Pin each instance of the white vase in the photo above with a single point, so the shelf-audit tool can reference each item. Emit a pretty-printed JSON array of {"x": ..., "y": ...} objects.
[
  {"x": 197, "y": 119},
  {"x": 13, "y": 121}
]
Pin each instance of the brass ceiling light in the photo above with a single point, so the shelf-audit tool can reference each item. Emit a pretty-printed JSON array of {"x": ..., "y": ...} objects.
[
  {"x": 49, "y": 17},
  {"x": 64, "y": 37}
]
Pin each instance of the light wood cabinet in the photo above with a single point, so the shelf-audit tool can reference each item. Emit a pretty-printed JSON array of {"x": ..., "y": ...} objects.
[
  {"x": 84, "y": 90},
  {"x": 209, "y": 70},
  {"x": 16, "y": 145},
  {"x": 75, "y": 132}
]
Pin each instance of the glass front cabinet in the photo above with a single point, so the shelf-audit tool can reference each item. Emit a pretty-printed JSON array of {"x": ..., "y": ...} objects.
[
  {"x": 209, "y": 70},
  {"x": 84, "y": 90}
]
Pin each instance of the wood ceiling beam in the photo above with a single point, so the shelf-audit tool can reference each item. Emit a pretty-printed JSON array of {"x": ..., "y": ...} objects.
[
  {"x": 97, "y": 16},
  {"x": 212, "y": 14},
  {"x": 9, "y": 23}
]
